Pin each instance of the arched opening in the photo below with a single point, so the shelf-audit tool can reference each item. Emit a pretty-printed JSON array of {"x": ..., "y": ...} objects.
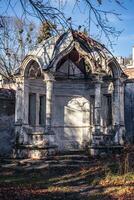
[
  {"x": 33, "y": 70},
  {"x": 98, "y": 89},
  {"x": 72, "y": 66},
  {"x": 114, "y": 68},
  {"x": 76, "y": 121},
  {"x": 34, "y": 90},
  {"x": 72, "y": 121}
]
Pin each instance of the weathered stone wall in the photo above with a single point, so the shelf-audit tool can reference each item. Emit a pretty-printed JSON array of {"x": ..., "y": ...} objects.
[
  {"x": 72, "y": 112},
  {"x": 7, "y": 111},
  {"x": 129, "y": 111}
]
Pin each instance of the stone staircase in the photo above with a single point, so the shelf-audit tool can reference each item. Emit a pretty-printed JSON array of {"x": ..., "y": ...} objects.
[{"x": 72, "y": 159}]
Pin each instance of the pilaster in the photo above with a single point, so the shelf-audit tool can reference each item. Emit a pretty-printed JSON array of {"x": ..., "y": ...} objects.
[
  {"x": 97, "y": 136},
  {"x": 18, "y": 106},
  {"x": 97, "y": 108},
  {"x": 25, "y": 101},
  {"x": 118, "y": 111}
]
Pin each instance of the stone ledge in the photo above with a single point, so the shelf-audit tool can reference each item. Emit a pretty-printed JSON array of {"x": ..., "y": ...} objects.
[
  {"x": 34, "y": 152},
  {"x": 104, "y": 149},
  {"x": 36, "y": 133},
  {"x": 35, "y": 147},
  {"x": 106, "y": 146}
]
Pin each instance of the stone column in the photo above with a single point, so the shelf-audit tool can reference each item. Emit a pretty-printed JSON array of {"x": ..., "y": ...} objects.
[
  {"x": 18, "y": 114},
  {"x": 49, "y": 133},
  {"x": 49, "y": 104},
  {"x": 49, "y": 79},
  {"x": 116, "y": 103},
  {"x": 118, "y": 111},
  {"x": 25, "y": 103},
  {"x": 122, "y": 104},
  {"x": 18, "y": 104},
  {"x": 121, "y": 122},
  {"x": 97, "y": 107},
  {"x": 97, "y": 137}
]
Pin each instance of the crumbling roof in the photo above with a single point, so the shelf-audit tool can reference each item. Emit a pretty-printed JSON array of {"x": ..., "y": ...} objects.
[
  {"x": 76, "y": 46},
  {"x": 51, "y": 48}
]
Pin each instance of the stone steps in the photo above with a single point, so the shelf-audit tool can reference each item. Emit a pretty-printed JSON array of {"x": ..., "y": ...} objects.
[
  {"x": 73, "y": 159},
  {"x": 69, "y": 157}
]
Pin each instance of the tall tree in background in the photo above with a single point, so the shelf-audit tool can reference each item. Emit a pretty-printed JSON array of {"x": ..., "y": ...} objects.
[
  {"x": 16, "y": 39},
  {"x": 46, "y": 11},
  {"x": 17, "y": 36},
  {"x": 45, "y": 31}
]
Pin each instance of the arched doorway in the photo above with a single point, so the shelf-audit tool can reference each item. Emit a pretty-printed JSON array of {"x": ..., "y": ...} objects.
[
  {"x": 72, "y": 122},
  {"x": 76, "y": 123}
]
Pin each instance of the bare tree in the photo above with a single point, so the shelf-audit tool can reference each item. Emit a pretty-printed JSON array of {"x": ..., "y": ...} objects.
[
  {"x": 100, "y": 18},
  {"x": 45, "y": 31},
  {"x": 46, "y": 11},
  {"x": 15, "y": 42},
  {"x": 16, "y": 38}
]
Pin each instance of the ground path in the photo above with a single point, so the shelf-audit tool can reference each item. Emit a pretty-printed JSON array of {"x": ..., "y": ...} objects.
[{"x": 72, "y": 176}]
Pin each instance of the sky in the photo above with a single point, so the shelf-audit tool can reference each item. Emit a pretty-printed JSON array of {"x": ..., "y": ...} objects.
[
  {"x": 122, "y": 46},
  {"x": 79, "y": 15}
]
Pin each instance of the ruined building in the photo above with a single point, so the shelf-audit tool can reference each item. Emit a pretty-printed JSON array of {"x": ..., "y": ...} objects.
[{"x": 70, "y": 95}]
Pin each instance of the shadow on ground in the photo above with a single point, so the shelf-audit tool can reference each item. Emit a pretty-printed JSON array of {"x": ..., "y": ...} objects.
[{"x": 79, "y": 178}]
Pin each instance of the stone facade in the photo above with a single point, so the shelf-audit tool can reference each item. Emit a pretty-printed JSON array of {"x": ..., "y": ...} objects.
[
  {"x": 129, "y": 111},
  {"x": 70, "y": 95},
  {"x": 129, "y": 98}
]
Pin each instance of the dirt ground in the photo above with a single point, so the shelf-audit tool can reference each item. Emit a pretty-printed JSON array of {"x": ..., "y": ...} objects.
[{"x": 93, "y": 179}]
